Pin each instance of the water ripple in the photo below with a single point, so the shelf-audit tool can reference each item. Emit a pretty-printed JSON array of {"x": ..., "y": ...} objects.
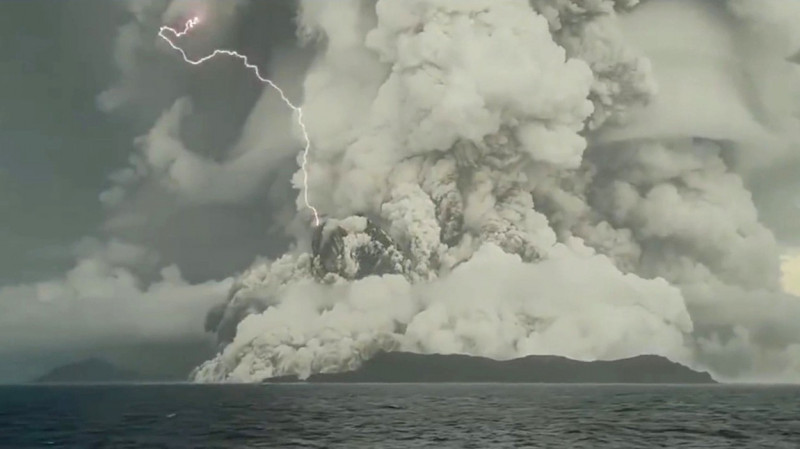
[{"x": 399, "y": 416}]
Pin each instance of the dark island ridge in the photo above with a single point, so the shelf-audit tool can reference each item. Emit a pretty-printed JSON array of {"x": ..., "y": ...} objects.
[{"x": 401, "y": 367}]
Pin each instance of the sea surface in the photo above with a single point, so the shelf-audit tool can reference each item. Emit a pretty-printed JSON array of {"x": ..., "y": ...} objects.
[{"x": 349, "y": 416}]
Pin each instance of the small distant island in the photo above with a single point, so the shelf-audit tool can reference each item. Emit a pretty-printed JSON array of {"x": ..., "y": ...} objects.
[
  {"x": 401, "y": 367},
  {"x": 90, "y": 371}
]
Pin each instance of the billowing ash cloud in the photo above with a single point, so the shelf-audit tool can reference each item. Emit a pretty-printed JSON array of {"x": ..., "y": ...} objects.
[
  {"x": 510, "y": 177},
  {"x": 595, "y": 179}
]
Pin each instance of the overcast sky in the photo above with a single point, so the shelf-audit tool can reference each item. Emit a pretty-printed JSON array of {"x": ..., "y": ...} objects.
[
  {"x": 58, "y": 150},
  {"x": 57, "y": 147}
]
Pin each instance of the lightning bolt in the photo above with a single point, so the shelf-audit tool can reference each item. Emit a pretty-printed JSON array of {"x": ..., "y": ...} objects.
[{"x": 254, "y": 68}]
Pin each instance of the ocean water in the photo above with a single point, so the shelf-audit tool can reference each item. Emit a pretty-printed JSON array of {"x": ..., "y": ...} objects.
[{"x": 477, "y": 416}]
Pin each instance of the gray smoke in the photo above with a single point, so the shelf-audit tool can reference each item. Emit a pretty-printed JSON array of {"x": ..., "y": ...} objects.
[
  {"x": 595, "y": 179},
  {"x": 559, "y": 177}
]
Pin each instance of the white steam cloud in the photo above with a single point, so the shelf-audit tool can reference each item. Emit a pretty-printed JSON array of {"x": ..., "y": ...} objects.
[
  {"x": 104, "y": 300},
  {"x": 548, "y": 177},
  {"x": 499, "y": 178},
  {"x": 791, "y": 273}
]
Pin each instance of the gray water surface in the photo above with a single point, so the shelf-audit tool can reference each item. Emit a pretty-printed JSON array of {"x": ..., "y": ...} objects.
[{"x": 400, "y": 416}]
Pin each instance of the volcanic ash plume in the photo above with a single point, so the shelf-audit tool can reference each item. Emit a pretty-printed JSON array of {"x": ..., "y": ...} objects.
[{"x": 476, "y": 206}]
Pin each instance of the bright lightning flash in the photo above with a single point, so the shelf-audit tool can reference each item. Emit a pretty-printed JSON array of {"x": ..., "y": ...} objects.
[{"x": 254, "y": 68}]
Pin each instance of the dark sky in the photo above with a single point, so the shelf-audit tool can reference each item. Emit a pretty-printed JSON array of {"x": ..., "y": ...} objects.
[
  {"x": 56, "y": 147},
  {"x": 58, "y": 150}
]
